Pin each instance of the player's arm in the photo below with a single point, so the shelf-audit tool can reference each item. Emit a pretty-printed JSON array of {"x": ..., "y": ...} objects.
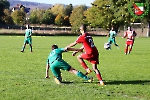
[
  {"x": 115, "y": 34},
  {"x": 72, "y": 44},
  {"x": 134, "y": 34},
  {"x": 75, "y": 52},
  {"x": 108, "y": 34},
  {"x": 125, "y": 35},
  {"x": 30, "y": 33},
  {"x": 47, "y": 69},
  {"x": 73, "y": 49}
]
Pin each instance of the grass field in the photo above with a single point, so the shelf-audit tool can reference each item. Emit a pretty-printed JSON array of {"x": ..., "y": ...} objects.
[{"x": 127, "y": 77}]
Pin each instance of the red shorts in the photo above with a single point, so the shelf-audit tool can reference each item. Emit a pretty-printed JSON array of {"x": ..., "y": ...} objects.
[
  {"x": 93, "y": 58},
  {"x": 129, "y": 42}
]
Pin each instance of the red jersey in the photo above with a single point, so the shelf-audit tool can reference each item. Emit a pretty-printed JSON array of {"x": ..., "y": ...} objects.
[
  {"x": 130, "y": 35},
  {"x": 87, "y": 42}
]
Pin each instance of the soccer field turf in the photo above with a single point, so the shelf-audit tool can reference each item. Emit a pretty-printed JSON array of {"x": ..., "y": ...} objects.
[{"x": 127, "y": 77}]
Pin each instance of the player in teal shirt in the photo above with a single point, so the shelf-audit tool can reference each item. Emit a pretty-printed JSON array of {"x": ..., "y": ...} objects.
[
  {"x": 55, "y": 63},
  {"x": 28, "y": 39},
  {"x": 112, "y": 35}
]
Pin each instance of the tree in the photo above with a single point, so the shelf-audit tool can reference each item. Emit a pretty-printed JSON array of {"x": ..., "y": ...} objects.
[
  {"x": 19, "y": 17},
  {"x": 6, "y": 3},
  {"x": 1, "y": 11},
  {"x": 77, "y": 17},
  {"x": 7, "y": 17},
  {"x": 58, "y": 9},
  {"x": 59, "y": 20},
  {"x": 36, "y": 16},
  {"x": 66, "y": 21},
  {"x": 108, "y": 13},
  {"x": 48, "y": 17},
  {"x": 68, "y": 10}
]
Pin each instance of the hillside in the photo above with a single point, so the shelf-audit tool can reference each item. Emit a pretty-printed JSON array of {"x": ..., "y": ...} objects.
[{"x": 28, "y": 4}]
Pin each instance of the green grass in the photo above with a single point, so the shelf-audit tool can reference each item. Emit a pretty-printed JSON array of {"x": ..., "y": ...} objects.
[{"x": 127, "y": 77}]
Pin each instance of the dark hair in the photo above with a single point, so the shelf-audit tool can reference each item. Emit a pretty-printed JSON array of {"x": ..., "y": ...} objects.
[
  {"x": 54, "y": 46},
  {"x": 27, "y": 25},
  {"x": 113, "y": 28},
  {"x": 83, "y": 27},
  {"x": 130, "y": 28}
]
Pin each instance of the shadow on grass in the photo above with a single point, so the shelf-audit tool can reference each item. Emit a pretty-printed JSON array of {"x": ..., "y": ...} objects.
[
  {"x": 66, "y": 82},
  {"x": 133, "y": 82}
]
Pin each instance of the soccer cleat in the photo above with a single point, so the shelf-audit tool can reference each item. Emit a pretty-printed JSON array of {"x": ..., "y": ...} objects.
[
  {"x": 128, "y": 53},
  {"x": 90, "y": 80},
  {"x": 88, "y": 71},
  {"x": 57, "y": 81},
  {"x": 101, "y": 83},
  {"x": 22, "y": 51},
  {"x": 117, "y": 47}
]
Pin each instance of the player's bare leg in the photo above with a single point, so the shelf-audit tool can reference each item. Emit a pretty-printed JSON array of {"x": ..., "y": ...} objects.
[
  {"x": 126, "y": 49},
  {"x": 98, "y": 74},
  {"x": 130, "y": 49},
  {"x": 84, "y": 65}
]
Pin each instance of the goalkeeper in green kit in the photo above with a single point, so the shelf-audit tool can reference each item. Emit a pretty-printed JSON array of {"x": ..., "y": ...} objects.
[{"x": 28, "y": 39}]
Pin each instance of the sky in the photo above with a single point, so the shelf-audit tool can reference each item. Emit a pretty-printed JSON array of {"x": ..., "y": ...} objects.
[{"x": 73, "y": 2}]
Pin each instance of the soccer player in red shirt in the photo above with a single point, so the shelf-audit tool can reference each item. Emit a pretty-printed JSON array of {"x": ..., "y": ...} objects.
[
  {"x": 90, "y": 52},
  {"x": 130, "y": 34}
]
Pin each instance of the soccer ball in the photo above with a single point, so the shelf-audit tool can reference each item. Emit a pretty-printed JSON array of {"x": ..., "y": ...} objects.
[{"x": 107, "y": 46}]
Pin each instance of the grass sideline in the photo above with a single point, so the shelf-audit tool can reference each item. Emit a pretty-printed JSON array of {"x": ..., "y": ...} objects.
[{"x": 127, "y": 77}]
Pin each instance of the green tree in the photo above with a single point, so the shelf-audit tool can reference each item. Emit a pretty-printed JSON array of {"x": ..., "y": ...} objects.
[
  {"x": 58, "y": 9},
  {"x": 105, "y": 13},
  {"x": 59, "y": 20},
  {"x": 68, "y": 10},
  {"x": 33, "y": 19},
  {"x": 6, "y": 4},
  {"x": 48, "y": 17},
  {"x": 7, "y": 17},
  {"x": 2, "y": 6},
  {"x": 77, "y": 17},
  {"x": 36, "y": 16},
  {"x": 19, "y": 17},
  {"x": 66, "y": 21}
]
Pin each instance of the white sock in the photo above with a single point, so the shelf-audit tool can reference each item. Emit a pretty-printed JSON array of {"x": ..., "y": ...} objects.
[{"x": 101, "y": 81}]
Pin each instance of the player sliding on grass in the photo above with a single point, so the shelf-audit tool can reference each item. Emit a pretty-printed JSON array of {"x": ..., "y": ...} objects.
[
  {"x": 55, "y": 63},
  {"x": 28, "y": 39},
  {"x": 91, "y": 53}
]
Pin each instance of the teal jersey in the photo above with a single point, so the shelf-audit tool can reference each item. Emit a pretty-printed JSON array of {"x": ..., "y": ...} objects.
[
  {"x": 55, "y": 54},
  {"x": 28, "y": 33},
  {"x": 112, "y": 34}
]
